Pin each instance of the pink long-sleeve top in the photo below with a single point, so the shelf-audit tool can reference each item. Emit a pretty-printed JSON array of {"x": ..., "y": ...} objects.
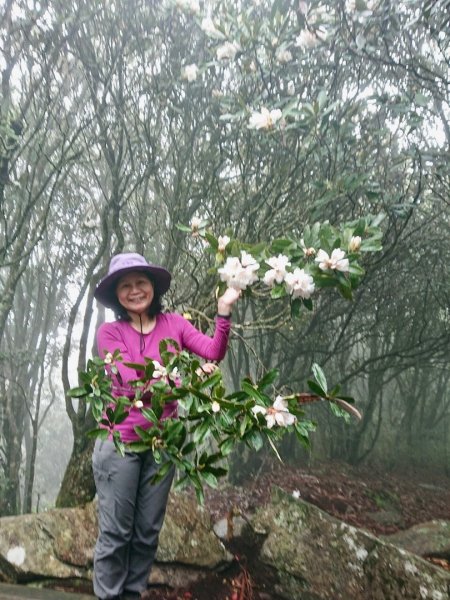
[{"x": 120, "y": 335}]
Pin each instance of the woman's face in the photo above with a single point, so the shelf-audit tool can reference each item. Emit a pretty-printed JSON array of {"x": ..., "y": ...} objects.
[{"x": 135, "y": 292}]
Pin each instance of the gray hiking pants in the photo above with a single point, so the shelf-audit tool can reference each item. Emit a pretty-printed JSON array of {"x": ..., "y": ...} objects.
[{"x": 130, "y": 516}]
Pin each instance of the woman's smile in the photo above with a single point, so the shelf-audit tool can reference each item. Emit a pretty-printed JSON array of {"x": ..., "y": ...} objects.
[{"x": 135, "y": 292}]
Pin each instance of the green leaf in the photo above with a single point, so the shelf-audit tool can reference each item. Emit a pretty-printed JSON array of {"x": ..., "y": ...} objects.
[
  {"x": 210, "y": 478},
  {"x": 79, "y": 392},
  {"x": 278, "y": 291},
  {"x": 268, "y": 379},
  {"x": 315, "y": 388},
  {"x": 253, "y": 392},
  {"x": 320, "y": 377},
  {"x": 227, "y": 446},
  {"x": 136, "y": 366},
  {"x": 138, "y": 447},
  {"x": 184, "y": 228},
  {"x": 254, "y": 439}
]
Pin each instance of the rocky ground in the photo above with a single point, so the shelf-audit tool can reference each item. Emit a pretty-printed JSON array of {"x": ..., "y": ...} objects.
[{"x": 366, "y": 497}]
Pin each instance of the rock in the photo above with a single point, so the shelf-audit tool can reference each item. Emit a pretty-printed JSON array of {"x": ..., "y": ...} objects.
[
  {"x": 319, "y": 557},
  {"x": 31, "y": 544},
  {"x": 426, "y": 539},
  {"x": 222, "y": 527},
  {"x": 60, "y": 543},
  {"x": 187, "y": 536}
]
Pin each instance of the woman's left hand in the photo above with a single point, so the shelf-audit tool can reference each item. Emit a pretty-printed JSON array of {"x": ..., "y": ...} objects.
[{"x": 226, "y": 301}]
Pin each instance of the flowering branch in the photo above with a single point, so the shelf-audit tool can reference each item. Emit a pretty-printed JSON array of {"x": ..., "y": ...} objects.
[{"x": 206, "y": 412}]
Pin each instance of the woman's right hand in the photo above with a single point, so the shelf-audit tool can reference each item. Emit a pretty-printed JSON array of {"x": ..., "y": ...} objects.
[{"x": 226, "y": 301}]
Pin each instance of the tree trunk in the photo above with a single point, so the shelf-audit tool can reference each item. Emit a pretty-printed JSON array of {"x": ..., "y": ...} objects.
[{"x": 78, "y": 485}]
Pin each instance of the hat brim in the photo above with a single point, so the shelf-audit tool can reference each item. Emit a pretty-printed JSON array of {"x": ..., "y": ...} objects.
[{"x": 105, "y": 292}]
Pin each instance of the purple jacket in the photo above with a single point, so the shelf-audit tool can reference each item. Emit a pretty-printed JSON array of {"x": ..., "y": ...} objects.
[{"x": 120, "y": 335}]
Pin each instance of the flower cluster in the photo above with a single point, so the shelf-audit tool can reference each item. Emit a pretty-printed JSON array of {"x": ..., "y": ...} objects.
[
  {"x": 160, "y": 372},
  {"x": 266, "y": 119},
  {"x": 299, "y": 284},
  {"x": 189, "y": 72},
  {"x": 239, "y": 273}
]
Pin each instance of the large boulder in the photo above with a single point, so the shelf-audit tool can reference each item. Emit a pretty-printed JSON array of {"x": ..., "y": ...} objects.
[
  {"x": 425, "y": 539},
  {"x": 60, "y": 543},
  {"x": 318, "y": 557}
]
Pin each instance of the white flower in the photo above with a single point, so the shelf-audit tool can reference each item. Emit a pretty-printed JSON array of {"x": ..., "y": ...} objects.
[
  {"x": 291, "y": 88},
  {"x": 216, "y": 93},
  {"x": 189, "y": 72},
  {"x": 159, "y": 371},
  {"x": 174, "y": 374},
  {"x": 299, "y": 283},
  {"x": 278, "y": 414},
  {"x": 350, "y": 5},
  {"x": 278, "y": 270},
  {"x": 210, "y": 29},
  {"x": 354, "y": 244},
  {"x": 138, "y": 404},
  {"x": 215, "y": 406},
  {"x": 108, "y": 358},
  {"x": 247, "y": 260},
  {"x": 296, "y": 494},
  {"x": 192, "y": 6},
  {"x": 336, "y": 261},
  {"x": 239, "y": 275},
  {"x": 283, "y": 56},
  {"x": 258, "y": 409},
  {"x": 306, "y": 39},
  {"x": 265, "y": 119},
  {"x": 227, "y": 50},
  {"x": 223, "y": 241},
  {"x": 16, "y": 555}
]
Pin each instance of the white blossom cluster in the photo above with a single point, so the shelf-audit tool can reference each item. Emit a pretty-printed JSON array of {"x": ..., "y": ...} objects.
[{"x": 239, "y": 273}]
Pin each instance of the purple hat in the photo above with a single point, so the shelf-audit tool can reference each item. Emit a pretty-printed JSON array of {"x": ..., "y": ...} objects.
[{"x": 121, "y": 264}]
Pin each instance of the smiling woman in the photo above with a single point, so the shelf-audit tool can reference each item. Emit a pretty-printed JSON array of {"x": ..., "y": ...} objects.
[
  {"x": 131, "y": 511},
  {"x": 135, "y": 292}
]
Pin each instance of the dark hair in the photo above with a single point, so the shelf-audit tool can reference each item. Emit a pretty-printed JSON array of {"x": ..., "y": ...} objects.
[{"x": 154, "y": 309}]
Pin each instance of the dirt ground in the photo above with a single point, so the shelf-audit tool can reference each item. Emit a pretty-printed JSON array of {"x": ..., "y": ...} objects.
[{"x": 365, "y": 497}]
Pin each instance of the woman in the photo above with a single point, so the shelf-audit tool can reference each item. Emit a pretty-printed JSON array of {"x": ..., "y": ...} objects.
[{"x": 130, "y": 509}]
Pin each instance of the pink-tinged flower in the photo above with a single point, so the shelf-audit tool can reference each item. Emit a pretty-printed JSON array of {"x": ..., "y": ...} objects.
[
  {"x": 299, "y": 284},
  {"x": 160, "y": 371},
  {"x": 335, "y": 262},
  {"x": 278, "y": 271},
  {"x": 108, "y": 358},
  {"x": 247, "y": 260},
  {"x": 283, "y": 56},
  {"x": 189, "y": 72},
  {"x": 223, "y": 241},
  {"x": 290, "y": 88},
  {"x": 174, "y": 375},
  {"x": 306, "y": 39},
  {"x": 191, "y": 6},
  {"x": 354, "y": 244},
  {"x": 227, "y": 51},
  {"x": 239, "y": 275},
  {"x": 307, "y": 251},
  {"x": 215, "y": 407},
  {"x": 210, "y": 29},
  {"x": 265, "y": 119},
  {"x": 277, "y": 414}
]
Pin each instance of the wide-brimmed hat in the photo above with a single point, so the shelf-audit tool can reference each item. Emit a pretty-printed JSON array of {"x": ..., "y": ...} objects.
[{"x": 120, "y": 265}]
